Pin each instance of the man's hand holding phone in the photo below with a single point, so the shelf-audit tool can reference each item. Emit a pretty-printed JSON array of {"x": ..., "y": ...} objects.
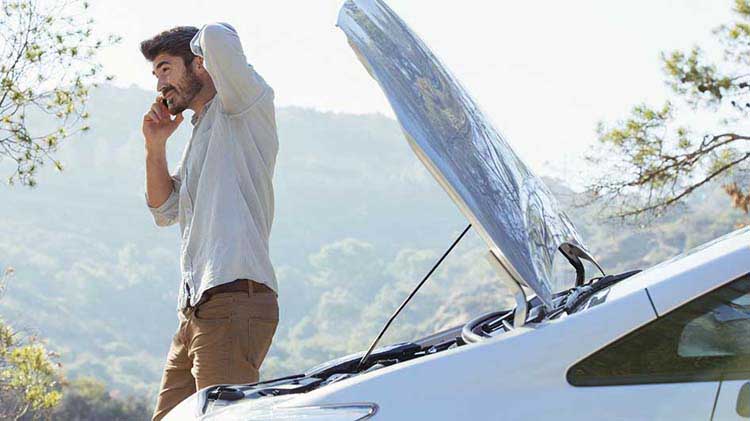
[{"x": 158, "y": 124}]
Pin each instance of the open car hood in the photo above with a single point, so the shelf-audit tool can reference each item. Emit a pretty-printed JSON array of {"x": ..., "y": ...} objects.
[{"x": 510, "y": 207}]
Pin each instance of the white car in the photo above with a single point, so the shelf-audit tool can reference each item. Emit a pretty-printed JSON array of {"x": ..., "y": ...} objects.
[{"x": 671, "y": 342}]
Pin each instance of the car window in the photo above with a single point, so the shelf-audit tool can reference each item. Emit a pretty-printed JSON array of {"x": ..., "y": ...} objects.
[
  {"x": 723, "y": 331},
  {"x": 707, "y": 339}
]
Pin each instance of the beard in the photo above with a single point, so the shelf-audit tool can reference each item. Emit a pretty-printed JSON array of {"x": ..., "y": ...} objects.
[{"x": 185, "y": 91}]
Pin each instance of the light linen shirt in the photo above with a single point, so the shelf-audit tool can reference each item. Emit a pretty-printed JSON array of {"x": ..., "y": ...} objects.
[{"x": 223, "y": 193}]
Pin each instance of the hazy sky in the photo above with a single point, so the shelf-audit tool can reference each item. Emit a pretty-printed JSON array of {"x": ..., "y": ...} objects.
[{"x": 544, "y": 71}]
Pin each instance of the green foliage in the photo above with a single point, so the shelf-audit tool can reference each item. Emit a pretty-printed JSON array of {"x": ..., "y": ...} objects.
[
  {"x": 29, "y": 375},
  {"x": 688, "y": 75},
  {"x": 87, "y": 398},
  {"x": 347, "y": 245},
  {"x": 30, "y": 370},
  {"x": 32, "y": 385},
  {"x": 650, "y": 161},
  {"x": 48, "y": 56}
]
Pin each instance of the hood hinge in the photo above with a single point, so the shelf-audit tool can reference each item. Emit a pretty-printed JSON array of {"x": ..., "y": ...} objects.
[{"x": 522, "y": 303}]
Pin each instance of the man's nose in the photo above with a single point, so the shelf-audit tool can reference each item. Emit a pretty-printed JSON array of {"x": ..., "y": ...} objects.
[{"x": 161, "y": 84}]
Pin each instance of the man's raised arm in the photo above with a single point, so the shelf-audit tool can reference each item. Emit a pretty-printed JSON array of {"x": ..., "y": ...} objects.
[{"x": 237, "y": 84}]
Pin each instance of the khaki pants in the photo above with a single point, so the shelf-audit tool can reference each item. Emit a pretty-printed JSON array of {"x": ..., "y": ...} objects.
[{"x": 221, "y": 341}]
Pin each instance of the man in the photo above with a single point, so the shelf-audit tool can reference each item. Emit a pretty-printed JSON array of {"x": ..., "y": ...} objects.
[{"x": 222, "y": 196}]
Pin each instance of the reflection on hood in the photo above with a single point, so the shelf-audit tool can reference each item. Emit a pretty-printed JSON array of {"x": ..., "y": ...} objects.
[{"x": 510, "y": 207}]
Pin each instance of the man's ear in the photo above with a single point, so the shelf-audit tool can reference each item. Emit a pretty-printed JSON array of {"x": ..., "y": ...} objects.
[{"x": 198, "y": 64}]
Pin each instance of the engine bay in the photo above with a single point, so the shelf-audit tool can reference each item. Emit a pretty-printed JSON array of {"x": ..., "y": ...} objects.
[{"x": 487, "y": 325}]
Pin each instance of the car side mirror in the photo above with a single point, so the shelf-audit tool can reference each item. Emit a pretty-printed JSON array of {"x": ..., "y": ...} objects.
[{"x": 743, "y": 401}]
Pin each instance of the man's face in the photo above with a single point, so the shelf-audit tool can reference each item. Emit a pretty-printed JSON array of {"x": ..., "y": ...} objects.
[{"x": 176, "y": 82}]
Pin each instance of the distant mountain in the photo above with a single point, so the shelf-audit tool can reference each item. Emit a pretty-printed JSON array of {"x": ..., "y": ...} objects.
[{"x": 358, "y": 222}]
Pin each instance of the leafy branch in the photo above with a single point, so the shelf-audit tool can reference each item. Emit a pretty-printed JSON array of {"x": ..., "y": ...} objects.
[
  {"x": 649, "y": 162},
  {"x": 48, "y": 55}
]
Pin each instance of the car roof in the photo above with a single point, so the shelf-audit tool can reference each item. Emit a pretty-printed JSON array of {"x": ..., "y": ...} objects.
[{"x": 693, "y": 273}]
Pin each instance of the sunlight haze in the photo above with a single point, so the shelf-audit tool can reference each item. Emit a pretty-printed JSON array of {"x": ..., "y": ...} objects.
[
  {"x": 544, "y": 71},
  {"x": 352, "y": 219}
]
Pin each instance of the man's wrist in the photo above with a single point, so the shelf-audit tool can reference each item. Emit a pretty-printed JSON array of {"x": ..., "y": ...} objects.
[{"x": 155, "y": 150}]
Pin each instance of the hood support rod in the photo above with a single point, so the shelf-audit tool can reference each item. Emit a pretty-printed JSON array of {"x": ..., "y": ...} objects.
[
  {"x": 522, "y": 303},
  {"x": 414, "y": 291}
]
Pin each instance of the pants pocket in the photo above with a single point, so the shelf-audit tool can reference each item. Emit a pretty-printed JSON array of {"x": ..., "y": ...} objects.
[
  {"x": 260, "y": 335},
  {"x": 216, "y": 309}
]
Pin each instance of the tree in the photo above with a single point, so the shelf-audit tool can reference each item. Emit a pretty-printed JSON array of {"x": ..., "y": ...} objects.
[
  {"x": 47, "y": 66},
  {"x": 32, "y": 385},
  {"x": 653, "y": 160},
  {"x": 29, "y": 374},
  {"x": 87, "y": 399}
]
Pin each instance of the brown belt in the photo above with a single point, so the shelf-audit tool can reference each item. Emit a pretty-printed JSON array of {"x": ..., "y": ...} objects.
[{"x": 238, "y": 285}]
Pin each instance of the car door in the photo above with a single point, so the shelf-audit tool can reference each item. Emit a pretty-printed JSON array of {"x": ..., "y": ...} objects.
[
  {"x": 697, "y": 345},
  {"x": 731, "y": 325}
]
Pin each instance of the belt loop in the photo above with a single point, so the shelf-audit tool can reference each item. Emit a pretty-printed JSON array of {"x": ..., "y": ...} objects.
[{"x": 249, "y": 287}]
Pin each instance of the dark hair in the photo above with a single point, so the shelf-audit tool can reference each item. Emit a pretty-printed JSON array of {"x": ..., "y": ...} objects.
[{"x": 175, "y": 42}]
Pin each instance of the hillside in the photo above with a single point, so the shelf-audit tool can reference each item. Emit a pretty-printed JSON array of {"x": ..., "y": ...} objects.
[{"x": 358, "y": 222}]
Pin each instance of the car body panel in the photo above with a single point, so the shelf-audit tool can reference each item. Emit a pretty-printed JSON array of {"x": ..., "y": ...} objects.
[
  {"x": 521, "y": 375},
  {"x": 510, "y": 207},
  {"x": 516, "y": 375},
  {"x": 726, "y": 401},
  {"x": 694, "y": 273},
  {"x": 703, "y": 270}
]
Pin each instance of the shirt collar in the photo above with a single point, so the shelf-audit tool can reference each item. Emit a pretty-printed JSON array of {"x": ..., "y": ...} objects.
[{"x": 196, "y": 118}]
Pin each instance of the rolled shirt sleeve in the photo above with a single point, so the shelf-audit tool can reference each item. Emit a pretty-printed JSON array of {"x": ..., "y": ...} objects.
[
  {"x": 167, "y": 213},
  {"x": 237, "y": 84}
]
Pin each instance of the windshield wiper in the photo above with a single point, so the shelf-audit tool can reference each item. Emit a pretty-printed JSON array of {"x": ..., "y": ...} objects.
[{"x": 406, "y": 301}]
